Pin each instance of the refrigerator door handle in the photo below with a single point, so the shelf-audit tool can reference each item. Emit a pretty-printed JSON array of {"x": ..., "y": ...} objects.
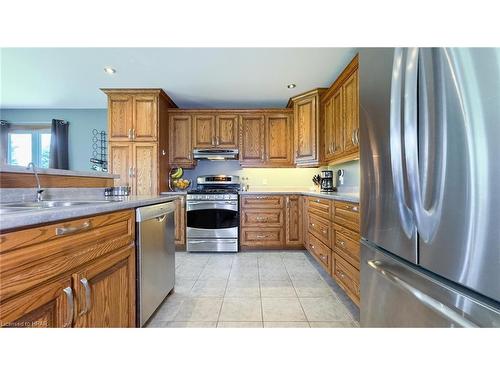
[
  {"x": 425, "y": 299},
  {"x": 427, "y": 220},
  {"x": 396, "y": 141}
]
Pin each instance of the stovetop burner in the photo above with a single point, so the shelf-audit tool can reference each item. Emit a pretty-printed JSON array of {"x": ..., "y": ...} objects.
[{"x": 213, "y": 191}]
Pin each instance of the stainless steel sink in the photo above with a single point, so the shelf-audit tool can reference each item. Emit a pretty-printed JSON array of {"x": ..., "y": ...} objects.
[{"x": 21, "y": 206}]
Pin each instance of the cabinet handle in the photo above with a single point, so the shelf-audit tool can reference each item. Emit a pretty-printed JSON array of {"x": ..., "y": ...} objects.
[
  {"x": 130, "y": 133},
  {"x": 62, "y": 231},
  {"x": 342, "y": 243},
  {"x": 69, "y": 297},
  {"x": 133, "y": 133},
  {"x": 130, "y": 172},
  {"x": 85, "y": 284},
  {"x": 213, "y": 140},
  {"x": 356, "y": 133},
  {"x": 355, "y": 208},
  {"x": 260, "y": 236},
  {"x": 163, "y": 152},
  {"x": 313, "y": 225},
  {"x": 352, "y": 137},
  {"x": 324, "y": 231},
  {"x": 216, "y": 141},
  {"x": 287, "y": 202},
  {"x": 323, "y": 257}
]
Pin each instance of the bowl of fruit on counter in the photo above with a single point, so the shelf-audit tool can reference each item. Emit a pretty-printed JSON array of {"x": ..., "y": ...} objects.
[{"x": 176, "y": 182}]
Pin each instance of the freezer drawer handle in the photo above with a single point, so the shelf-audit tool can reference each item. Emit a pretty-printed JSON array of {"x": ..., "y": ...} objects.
[{"x": 427, "y": 300}]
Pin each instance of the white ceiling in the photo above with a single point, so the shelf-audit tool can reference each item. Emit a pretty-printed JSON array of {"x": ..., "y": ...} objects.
[{"x": 192, "y": 77}]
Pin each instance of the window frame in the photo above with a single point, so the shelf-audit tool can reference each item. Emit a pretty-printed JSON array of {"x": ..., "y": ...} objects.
[{"x": 36, "y": 131}]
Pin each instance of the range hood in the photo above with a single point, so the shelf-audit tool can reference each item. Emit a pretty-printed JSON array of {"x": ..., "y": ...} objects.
[{"x": 215, "y": 154}]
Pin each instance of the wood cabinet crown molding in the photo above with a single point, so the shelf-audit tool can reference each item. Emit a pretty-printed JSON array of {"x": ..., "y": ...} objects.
[{"x": 155, "y": 91}]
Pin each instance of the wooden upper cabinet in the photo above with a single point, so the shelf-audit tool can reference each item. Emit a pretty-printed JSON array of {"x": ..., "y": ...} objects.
[
  {"x": 120, "y": 117},
  {"x": 105, "y": 291},
  {"x": 307, "y": 128},
  {"x": 338, "y": 124},
  {"x": 227, "y": 131},
  {"x": 145, "y": 126},
  {"x": 145, "y": 181},
  {"x": 351, "y": 113},
  {"x": 204, "y": 131},
  {"x": 279, "y": 140},
  {"x": 121, "y": 162},
  {"x": 181, "y": 151},
  {"x": 48, "y": 306},
  {"x": 252, "y": 140},
  {"x": 294, "y": 221}
]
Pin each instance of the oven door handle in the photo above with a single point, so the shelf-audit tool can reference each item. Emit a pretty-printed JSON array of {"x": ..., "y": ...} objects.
[{"x": 194, "y": 206}]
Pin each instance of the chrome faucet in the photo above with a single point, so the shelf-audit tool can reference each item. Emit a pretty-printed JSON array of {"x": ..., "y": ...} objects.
[{"x": 39, "y": 190}]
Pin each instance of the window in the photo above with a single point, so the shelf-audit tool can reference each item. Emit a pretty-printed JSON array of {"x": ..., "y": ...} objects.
[{"x": 28, "y": 144}]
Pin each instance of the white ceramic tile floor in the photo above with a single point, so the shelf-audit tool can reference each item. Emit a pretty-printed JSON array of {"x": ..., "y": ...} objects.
[{"x": 278, "y": 289}]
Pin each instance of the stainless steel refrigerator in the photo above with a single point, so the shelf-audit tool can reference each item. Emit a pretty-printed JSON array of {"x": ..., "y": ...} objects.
[{"x": 430, "y": 187}]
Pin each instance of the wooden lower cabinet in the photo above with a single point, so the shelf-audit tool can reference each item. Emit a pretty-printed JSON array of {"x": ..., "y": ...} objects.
[
  {"x": 180, "y": 221},
  {"x": 105, "y": 291},
  {"x": 346, "y": 276},
  {"x": 46, "y": 306},
  {"x": 77, "y": 273},
  {"x": 271, "y": 221}
]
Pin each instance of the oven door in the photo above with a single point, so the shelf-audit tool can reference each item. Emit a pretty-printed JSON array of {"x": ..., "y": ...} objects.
[{"x": 217, "y": 219}]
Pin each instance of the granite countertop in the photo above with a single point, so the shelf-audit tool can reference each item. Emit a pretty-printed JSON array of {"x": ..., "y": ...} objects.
[
  {"x": 59, "y": 172},
  {"x": 14, "y": 220},
  {"x": 341, "y": 196}
]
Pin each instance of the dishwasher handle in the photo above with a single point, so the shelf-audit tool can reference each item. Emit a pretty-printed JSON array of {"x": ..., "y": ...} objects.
[{"x": 157, "y": 211}]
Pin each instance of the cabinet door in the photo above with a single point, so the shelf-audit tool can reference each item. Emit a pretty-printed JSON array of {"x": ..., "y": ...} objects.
[
  {"x": 252, "y": 140},
  {"x": 351, "y": 113},
  {"x": 120, "y": 114},
  {"x": 293, "y": 217},
  {"x": 204, "y": 131},
  {"x": 328, "y": 120},
  {"x": 121, "y": 162},
  {"x": 279, "y": 144},
  {"x": 227, "y": 131},
  {"x": 180, "y": 140},
  {"x": 145, "y": 118},
  {"x": 47, "y": 306},
  {"x": 145, "y": 168},
  {"x": 338, "y": 125},
  {"x": 105, "y": 291},
  {"x": 305, "y": 130},
  {"x": 180, "y": 221}
]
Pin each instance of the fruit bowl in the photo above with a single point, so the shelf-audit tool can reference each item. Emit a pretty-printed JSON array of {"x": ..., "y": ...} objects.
[{"x": 180, "y": 184}]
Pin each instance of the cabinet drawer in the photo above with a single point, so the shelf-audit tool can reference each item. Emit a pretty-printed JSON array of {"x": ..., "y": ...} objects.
[
  {"x": 321, "y": 228},
  {"x": 348, "y": 248},
  {"x": 347, "y": 214},
  {"x": 320, "y": 207},
  {"x": 354, "y": 236},
  {"x": 262, "y": 201},
  {"x": 320, "y": 251},
  {"x": 263, "y": 217},
  {"x": 262, "y": 237},
  {"x": 346, "y": 276},
  {"x": 32, "y": 256}
]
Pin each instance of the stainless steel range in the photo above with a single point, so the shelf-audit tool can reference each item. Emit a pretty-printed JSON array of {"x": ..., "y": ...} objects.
[{"x": 213, "y": 216}]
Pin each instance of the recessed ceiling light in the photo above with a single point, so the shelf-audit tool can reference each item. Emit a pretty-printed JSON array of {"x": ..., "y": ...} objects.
[
  {"x": 292, "y": 86},
  {"x": 109, "y": 70}
]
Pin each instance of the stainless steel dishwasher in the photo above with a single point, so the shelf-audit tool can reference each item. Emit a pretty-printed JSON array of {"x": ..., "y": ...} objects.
[{"x": 155, "y": 257}]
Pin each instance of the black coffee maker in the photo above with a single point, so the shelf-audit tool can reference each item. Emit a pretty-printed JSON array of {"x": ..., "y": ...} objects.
[{"x": 327, "y": 181}]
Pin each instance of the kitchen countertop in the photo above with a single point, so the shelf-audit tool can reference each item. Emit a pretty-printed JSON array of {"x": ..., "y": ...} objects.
[
  {"x": 341, "y": 196},
  {"x": 14, "y": 220},
  {"x": 60, "y": 172}
]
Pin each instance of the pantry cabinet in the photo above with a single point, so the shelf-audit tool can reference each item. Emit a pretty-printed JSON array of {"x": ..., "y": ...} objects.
[
  {"x": 138, "y": 128},
  {"x": 75, "y": 273},
  {"x": 137, "y": 165}
]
